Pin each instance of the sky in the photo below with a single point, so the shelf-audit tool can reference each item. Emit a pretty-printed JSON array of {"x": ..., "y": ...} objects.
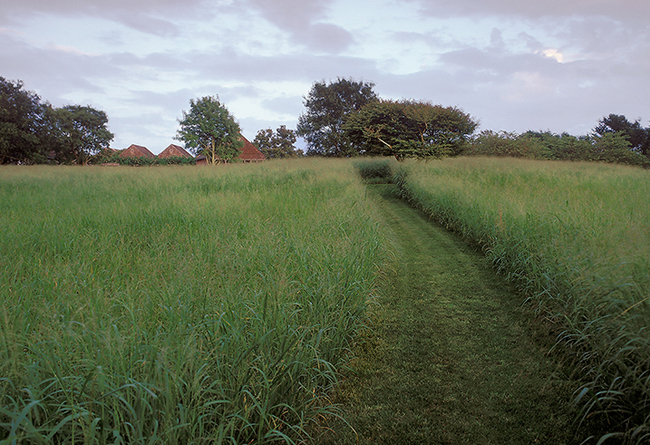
[{"x": 513, "y": 65}]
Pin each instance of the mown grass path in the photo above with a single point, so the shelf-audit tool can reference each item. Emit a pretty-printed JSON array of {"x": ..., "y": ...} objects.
[{"x": 453, "y": 356}]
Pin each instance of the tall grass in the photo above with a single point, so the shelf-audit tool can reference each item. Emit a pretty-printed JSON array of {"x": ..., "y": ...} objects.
[
  {"x": 575, "y": 238},
  {"x": 178, "y": 304}
]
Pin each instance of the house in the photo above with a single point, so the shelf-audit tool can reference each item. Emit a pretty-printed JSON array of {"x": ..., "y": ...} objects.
[
  {"x": 174, "y": 151},
  {"x": 250, "y": 153},
  {"x": 137, "y": 151}
]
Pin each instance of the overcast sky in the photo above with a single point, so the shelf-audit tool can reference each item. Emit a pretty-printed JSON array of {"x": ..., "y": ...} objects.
[{"x": 514, "y": 65}]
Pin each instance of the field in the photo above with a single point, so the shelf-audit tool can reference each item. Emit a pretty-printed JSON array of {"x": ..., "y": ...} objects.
[
  {"x": 575, "y": 239},
  {"x": 219, "y": 305},
  {"x": 178, "y": 304}
]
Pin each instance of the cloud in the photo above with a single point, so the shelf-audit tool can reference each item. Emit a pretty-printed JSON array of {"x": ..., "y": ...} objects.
[
  {"x": 306, "y": 23},
  {"x": 633, "y": 10},
  {"x": 157, "y": 17},
  {"x": 142, "y": 61}
]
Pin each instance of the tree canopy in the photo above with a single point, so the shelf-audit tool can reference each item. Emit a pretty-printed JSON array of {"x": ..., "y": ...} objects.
[
  {"x": 328, "y": 105},
  {"x": 79, "y": 133},
  {"x": 209, "y": 129},
  {"x": 32, "y": 132},
  {"x": 409, "y": 128},
  {"x": 278, "y": 144},
  {"x": 21, "y": 117},
  {"x": 633, "y": 132}
]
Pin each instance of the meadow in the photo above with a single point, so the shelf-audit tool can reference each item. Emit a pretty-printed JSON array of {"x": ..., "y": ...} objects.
[
  {"x": 179, "y": 304},
  {"x": 575, "y": 239}
]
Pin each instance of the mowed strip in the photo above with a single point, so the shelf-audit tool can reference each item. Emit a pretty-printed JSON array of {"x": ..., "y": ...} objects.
[{"x": 453, "y": 357}]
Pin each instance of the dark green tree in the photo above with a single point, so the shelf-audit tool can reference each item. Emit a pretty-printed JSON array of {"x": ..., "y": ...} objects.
[
  {"x": 210, "y": 130},
  {"x": 328, "y": 105},
  {"x": 636, "y": 135},
  {"x": 21, "y": 124},
  {"x": 278, "y": 144},
  {"x": 563, "y": 147},
  {"x": 616, "y": 148},
  {"x": 409, "y": 128},
  {"x": 77, "y": 133}
]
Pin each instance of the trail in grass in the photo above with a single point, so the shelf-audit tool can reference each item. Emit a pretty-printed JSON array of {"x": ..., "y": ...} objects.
[{"x": 453, "y": 356}]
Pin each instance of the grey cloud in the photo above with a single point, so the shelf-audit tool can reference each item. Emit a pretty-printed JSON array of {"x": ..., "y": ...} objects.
[
  {"x": 55, "y": 73},
  {"x": 291, "y": 105},
  {"x": 290, "y": 14},
  {"x": 303, "y": 20},
  {"x": 233, "y": 65},
  {"x": 634, "y": 10},
  {"x": 326, "y": 37},
  {"x": 155, "y": 17}
]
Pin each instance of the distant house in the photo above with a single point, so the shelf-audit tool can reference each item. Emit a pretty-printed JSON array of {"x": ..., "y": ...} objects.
[
  {"x": 174, "y": 151},
  {"x": 250, "y": 153},
  {"x": 137, "y": 151}
]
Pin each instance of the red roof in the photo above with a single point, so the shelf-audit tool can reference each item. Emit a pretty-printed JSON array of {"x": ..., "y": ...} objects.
[
  {"x": 174, "y": 151},
  {"x": 250, "y": 152},
  {"x": 137, "y": 151}
]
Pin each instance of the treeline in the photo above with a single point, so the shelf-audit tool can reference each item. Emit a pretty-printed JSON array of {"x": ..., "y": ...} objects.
[
  {"x": 605, "y": 144},
  {"x": 32, "y": 132},
  {"x": 141, "y": 161},
  {"x": 346, "y": 118}
]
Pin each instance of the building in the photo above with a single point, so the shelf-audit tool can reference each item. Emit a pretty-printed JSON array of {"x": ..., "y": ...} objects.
[
  {"x": 137, "y": 151},
  {"x": 250, "y": 153},
  {"x": 174, "y": 151}
]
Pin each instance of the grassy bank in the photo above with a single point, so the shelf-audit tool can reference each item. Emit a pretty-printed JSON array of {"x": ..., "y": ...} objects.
[
  {"x": 177, "y": 304},
  {"x": 574, "y": 237}
]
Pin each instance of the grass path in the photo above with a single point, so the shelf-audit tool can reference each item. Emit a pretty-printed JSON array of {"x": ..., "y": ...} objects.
[{"x": 453, "y": 357}]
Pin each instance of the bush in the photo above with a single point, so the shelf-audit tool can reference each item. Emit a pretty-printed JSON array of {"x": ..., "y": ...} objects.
[
  {"x": 375, "y": 171},
  {"x": 143, "y": 161},
  {"x": 490, "y": 143}
]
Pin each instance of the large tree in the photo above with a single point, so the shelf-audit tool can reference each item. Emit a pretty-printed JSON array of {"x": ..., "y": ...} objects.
[
  {"x": 210, "y": 130},
  {"x": 21, "y": 123},
  {"x": 636, "y": 135},
  {"x": 278, "y": 144},
  {"x": 409, "y": 128},
  {"x": 328, "y": 105},
  {"x": 79, "y": 132}
]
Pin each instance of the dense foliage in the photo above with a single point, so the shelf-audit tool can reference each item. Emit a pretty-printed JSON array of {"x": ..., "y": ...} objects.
[
  {"x": 142, "y": 161},
  {"x": 611, "y": 147},
  {"x": 409, "y": 128},
  {"x": 277, "y": 144},
  {"x": 328, "y": 105},
  {"x": 210, "y": 130},
  {"x": 636, "y": 135},
  {"x": 32, "y": 132}
]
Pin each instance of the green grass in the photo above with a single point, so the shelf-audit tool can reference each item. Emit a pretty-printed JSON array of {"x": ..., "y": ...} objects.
[
  {"x": 452, "y": 357},
  {"x": 179, "y": 304},
  {"x": 574, "y": 238}
]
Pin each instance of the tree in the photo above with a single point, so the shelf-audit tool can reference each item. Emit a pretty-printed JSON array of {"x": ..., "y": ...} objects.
[
  {"x": 21, "y": 121},
  {"x": 564, "y": 147},
  {"x": 278, "y": 144},
  {"x": 616, "y": 148},
  {"x": 79, "y": 132},
  {"x": 328, "y": 105},
  {"x": 209, "y": 129},
  {"x": 636, "y": 135},
  {"x": 409, "y": 128}
]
